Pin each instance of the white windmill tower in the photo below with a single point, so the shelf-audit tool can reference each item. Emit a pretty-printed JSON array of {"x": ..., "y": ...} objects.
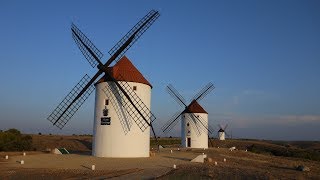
[
  {"x": 123, "y": 96},
  {"x": 195, "y": 128},
  {"x": 113, "y": 125},
  {"x": 222, "y": 132}
]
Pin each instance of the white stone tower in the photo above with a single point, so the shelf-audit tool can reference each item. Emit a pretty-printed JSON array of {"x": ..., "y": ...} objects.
[
  {"x": 221, "y": 134},
  {"x": 114, "y": 132},
  {"x": 191, "y": 134}
]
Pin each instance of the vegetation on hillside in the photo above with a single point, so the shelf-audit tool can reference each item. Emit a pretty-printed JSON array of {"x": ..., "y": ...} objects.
[
  {"x": 286, "y": 151},
  {"x": 165, "y": 141},
  {"x": 13, "y": 140}
]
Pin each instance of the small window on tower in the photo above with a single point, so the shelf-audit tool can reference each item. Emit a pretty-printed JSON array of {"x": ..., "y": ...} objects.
[
  {"x": 187, "y": 124},
  {"x": 106, "y": 102},
  {"x": 134, "y": 88}
]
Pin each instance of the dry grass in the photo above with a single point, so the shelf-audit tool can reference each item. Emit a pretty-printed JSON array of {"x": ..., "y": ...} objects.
[{"x": 245, "y": 165}]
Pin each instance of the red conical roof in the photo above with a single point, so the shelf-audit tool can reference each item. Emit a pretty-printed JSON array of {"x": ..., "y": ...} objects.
[
  {"x": 124, "y": 70},
  {"x": 194, "y": 107}
]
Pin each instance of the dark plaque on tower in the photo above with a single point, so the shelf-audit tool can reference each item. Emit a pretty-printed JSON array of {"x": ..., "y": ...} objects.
[{"x": 106, "y": 121}]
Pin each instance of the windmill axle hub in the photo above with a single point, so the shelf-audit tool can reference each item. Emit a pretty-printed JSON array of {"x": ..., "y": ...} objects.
[{"x": 101, "y": 67}]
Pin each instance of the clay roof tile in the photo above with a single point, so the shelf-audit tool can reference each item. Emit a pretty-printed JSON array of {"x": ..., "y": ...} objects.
[
  {"x": 194, "y": 107},
  {"x": 124, "y": 70}
]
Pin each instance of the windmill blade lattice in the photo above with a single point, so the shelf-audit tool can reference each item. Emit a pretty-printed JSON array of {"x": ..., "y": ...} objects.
[
  {"x": 88, "y": 49},
  {"x": 135, "y": 116},
  {"x": 227, "y": 134},
  {"x": 137, "y": 31},
  {"x": 205, "y": 91},
  {"x": 171, "y": 123},
  {"x": 62, "y": 114},
  {"x": 198, "y": 120},
  {"x": 225, "y": 127},
  {"x": 211, "y": 128},
  {"x": 194, "y": 124},
  {"x": 146, "y": 113},
  {"x": 204, "y": 127},
  {"x": 176, "y": 96},
  {"x": 137, "y": 101},
  {"x": 116, "y": 101}
]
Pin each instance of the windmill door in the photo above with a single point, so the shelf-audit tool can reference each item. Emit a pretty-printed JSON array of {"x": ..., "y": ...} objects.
[{"x": 188, "y": 142}]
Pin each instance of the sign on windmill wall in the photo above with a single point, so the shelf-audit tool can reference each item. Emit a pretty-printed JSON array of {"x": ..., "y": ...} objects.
[{"x": 106, "y": 121}]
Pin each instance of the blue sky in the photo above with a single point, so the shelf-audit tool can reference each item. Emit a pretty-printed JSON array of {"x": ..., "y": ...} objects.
[{"x": 262, "y": 56}]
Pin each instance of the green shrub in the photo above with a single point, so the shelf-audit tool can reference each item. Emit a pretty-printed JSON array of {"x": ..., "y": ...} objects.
[
  {"x": 14, "y": 131},
  {"x": 13, "y": 140},
  {"x": 166, "y": 141}
]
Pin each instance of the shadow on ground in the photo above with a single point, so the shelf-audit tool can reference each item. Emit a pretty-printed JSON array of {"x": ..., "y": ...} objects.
[
  {"x": 87, "y": 144},
  {"x": 180, "y": 158}
]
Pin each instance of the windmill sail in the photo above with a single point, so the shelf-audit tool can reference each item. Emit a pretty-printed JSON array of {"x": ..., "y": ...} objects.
[
  {"x": 117, "y": 103},
  {"x": 194, "y": 124},
  {"x": 171, "y": 123},
  {"x": 88, "y": 49},
  {"x": 205, "y": 91},
  {"x": 134, "y": 34},
  {"x": 141, "y": 119},
  {"x": 204, "y": 127},
  {"x": 66, "y": 109},
  {"x": 176, "y": 96}
]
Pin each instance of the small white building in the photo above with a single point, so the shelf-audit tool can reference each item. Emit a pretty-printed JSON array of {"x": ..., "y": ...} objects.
[
  {"x": 191, "y": 134},
  {"x": 115, "y": 134}
]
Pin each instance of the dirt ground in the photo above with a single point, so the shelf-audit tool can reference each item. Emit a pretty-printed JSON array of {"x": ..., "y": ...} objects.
[
  {"x": 43, "y": 165},
  {"x": 246, "y": 165},
  {"x": 239, "y": 165}
]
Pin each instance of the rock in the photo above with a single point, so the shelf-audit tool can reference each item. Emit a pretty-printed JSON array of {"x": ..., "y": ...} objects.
[{"x": 302, "y": 168}]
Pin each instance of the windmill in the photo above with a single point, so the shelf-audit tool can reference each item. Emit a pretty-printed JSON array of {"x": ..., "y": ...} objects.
[
  {"x": 194, "y": 119},
  {"x": 107, "y": 138},
  {"x": 222, "y": 132}
]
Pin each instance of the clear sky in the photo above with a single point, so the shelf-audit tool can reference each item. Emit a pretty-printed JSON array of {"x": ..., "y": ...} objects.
[{"x": 262, "y": 56}]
